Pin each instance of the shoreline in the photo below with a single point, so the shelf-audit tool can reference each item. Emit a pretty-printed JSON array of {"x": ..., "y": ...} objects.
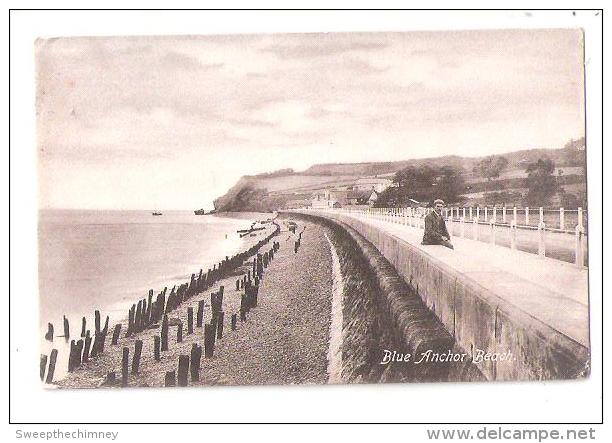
[
  {"x": 238, "y": 357},
  {"x": 117, "y": 312}
]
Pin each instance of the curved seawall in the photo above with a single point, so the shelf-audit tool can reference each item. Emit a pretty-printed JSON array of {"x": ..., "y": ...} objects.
[{"x": 505, "y": 339}]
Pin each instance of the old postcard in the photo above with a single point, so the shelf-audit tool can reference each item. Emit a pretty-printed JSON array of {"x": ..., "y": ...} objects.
[{"x": 312, "y": 208}]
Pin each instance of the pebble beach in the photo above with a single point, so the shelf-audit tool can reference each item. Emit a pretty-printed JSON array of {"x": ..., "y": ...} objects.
[{"x": 284, "y": 340}]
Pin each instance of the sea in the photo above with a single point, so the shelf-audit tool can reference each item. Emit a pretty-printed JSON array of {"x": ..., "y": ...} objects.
[{"x": 107, "y": 260}]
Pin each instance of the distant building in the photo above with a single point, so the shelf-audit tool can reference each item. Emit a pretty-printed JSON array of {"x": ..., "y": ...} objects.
[
  {"x": 329, "y": 198},
  {"x": 372, "y": 183},
  {"x": 360, "y": 197}
]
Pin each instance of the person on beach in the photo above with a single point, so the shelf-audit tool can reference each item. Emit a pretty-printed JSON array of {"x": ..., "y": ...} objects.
[{"x": 435, "y": 227}]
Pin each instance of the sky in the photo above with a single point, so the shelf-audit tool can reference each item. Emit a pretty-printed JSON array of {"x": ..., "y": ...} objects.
[{"x": 173, "y": 122}]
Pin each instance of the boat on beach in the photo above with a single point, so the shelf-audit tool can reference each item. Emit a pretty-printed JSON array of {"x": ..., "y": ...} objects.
[{"x": 156, "y": 213}]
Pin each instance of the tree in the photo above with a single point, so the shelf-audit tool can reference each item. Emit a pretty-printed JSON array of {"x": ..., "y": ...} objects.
[
  {"x": 423, "y": 184},
  {"x": 491, "y": 167},
  {"x": 541, "y": 183}
]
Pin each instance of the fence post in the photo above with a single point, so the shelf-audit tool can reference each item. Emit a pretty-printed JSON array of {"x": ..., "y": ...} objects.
[
  {"x": 486, "y": 215},
  {"x": 561, "y": 218},
  {"x": 579, "y": 259},
  {"x": 494, "y": 214},
  {"x": 471, "y": 217},
  {"x": 504, "y": 214},
  {"x": 541, "y": 239},
  {"x": 515, "y": 216},
  {"x": 541, "y": 214},
  {"x": 477, "y": 212}
]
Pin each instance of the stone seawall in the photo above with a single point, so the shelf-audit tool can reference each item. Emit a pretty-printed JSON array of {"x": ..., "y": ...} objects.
[
  {"x": 381, "y": 312},
  {"x": 467, "y": 315}
]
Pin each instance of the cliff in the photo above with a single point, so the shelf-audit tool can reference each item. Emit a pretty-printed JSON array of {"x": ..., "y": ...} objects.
[{"x": 283, "y": 188}]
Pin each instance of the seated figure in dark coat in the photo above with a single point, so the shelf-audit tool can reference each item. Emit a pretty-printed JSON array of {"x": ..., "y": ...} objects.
[{"x": 435, "y": 227}]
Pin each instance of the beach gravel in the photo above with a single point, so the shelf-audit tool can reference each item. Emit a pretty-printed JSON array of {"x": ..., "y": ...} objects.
[{"x": 284, "y": 340}]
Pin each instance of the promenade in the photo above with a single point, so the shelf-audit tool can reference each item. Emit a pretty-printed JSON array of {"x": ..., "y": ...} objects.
[{"x": 551, "y": 291}]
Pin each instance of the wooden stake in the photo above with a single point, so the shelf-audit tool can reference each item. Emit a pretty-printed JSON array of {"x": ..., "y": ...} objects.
[
  {"x": 137, "y": 354},
  {"x": 220, "y": 317},
  {"x": 66, "y": 328},
  {"x": 49, "y": 334},
  {"x": 164, "y": 333},
  {"x": 124, "y": 366},
  {"x": 183, "y": 370},
  {"x": 51, "y": 370},
  {"x": 170, "y": 379},
  {"x": 200, "y": 314},
  {"x": 116, "y": 333},
  {"x": 156, "y": 348},
  {"x": 43, "y": 366},
  {"x": 209, "y": 340},
  {"x": 190, "y": 320}
]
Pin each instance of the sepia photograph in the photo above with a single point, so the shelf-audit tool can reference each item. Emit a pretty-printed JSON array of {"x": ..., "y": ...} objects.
[{"x": 312, "y": 208}]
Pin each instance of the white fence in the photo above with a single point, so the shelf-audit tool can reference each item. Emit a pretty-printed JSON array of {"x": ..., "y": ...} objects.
[{"x": 516, "y": 228}]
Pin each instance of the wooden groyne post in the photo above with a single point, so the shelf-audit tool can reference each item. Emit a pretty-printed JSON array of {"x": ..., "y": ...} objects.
[
  {"x": 179, "y": 332},
  {"x": 49, "y": 334},
  {"x": 136, "y": 358},
  {"x": 124, "y": 366},
  {"x": 66, "y": 328},
  {"x": 86, "y": 347},
  {"x": 190, "y": 320},
  {"x": 164, "y": 333},
  {"x": 43, "y": 366},
  {"x": 196, "y": 357},
  {"x": 220, "y": 316},
  {"x": 200, "y": 314},
  {"x": 51, "y": 370},
  {"x": 170, "y": 379},
  {"x": 209, "y": 340},
  {"x": 156, "y": 348},
  {"x": 183, "y": 370},
  {"x": 116, "y": 333}
]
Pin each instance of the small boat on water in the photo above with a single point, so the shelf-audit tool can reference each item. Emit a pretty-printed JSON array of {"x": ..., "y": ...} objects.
[
  {"x": 156, "y": 213},
  {"x": 202, "y": 212}
]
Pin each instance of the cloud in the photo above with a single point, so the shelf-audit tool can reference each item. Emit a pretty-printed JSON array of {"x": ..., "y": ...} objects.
[
  {"x": 253, "y": 103},
  {"x": 324, "y": 45}
]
